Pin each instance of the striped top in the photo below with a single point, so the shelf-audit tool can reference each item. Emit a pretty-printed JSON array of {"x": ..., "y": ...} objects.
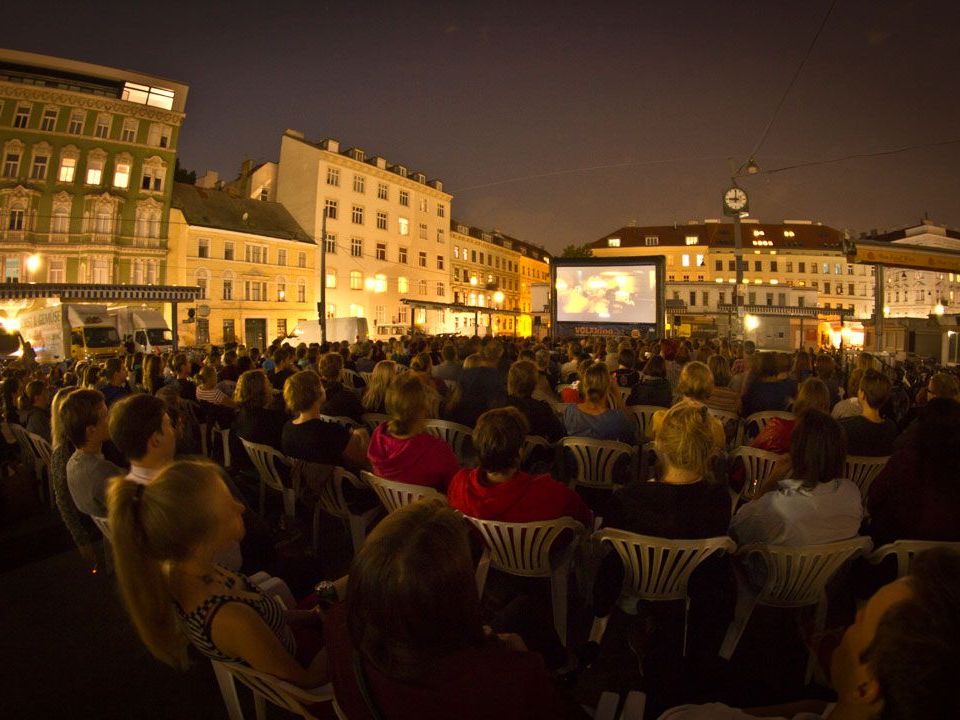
[{"x": 199, "y": 623}]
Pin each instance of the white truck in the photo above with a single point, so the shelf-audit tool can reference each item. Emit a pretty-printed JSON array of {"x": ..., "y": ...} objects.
[
  {"x": 144, "y": 327},
  {"x": 81, "y": 332},
  {"x": 350, "y": 329}
]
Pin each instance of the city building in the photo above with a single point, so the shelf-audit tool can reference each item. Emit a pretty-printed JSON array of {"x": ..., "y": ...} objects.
[
  {"x": 794, "y": 270},
  {"x": 387, "y": 232},
  {"x": 88, "y": 156},
  {"x": 255, "y": 267}
]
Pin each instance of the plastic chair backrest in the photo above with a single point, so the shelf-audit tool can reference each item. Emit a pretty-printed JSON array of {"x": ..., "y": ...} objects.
[
  {"x": 103, "y": 525},
  {"x": 758, "y": 464},
  {"x": 276, "y": 691},
  {"x": 658, "y": 568},
  {"x": 760, "y": 420},
  {"x": 596, "y": 460},
  {"x": 265, "y": 459},
  {"x": 648, "y": 460},
  {"x": 862, "y": 470},
  {"x": 624, "y": 392},
  {"x": 366, "y": 377},
  {"x": 531, "y": 443},
  {"x": 523, "y": 548},
  {"x": 339, "y": 420},
  {"x": 643, "y": 415},
  {"x": 731, "y": 425},
  {"x": 906, "y": 550},
  {"x": 797, "y": 576},
  {"x": 331, "y": 496},
  {"x": 372, "y": 420},
  {"x": 458, "y": 437},
  {"x": 394, "y": 495}
]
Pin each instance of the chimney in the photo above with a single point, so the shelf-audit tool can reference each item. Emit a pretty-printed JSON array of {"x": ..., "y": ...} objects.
[{"x": 330, "y": 145}]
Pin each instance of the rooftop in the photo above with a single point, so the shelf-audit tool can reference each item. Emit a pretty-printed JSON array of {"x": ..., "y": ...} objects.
[
  {"x": 498, "y": 238},
  {"x": 205, "y": 207},
  {"x": 799, "y": 234}
]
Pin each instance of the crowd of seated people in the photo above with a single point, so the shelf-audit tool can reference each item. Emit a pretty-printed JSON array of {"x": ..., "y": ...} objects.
[{"x": 117, "y": 430}]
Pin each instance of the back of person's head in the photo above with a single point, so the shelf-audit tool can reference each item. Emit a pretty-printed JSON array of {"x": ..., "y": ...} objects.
[
  {"x": 767, "y": 365},
  {"x": 685, "y": 438},
  {"x": 498, "y": 438},
  {"x": 253, "y": 390},
  {"x": 33, "y": 390},
  {"x": 627, "y": 358},
  {"x": 812, "y": 394},
  {"x": 208, "y": 375},
  {"x": 522, "y": 379},
  {"x": 824, "y": 366},
  {"x": 151, "y": 525},
  {"x": 330, "y": 366},
  {"x": 916, "y": 649},
  {"x": 655, "y": 367},
  {"x": 818, "y": 449},
  {"x": 112, "y": 367},
  {"x": 749, "y": 347},
  {"x": 696, "y": 381},
  {"x": 543, "y": 358},
  {"x": 181, "y": 362},
  {"x": 595, "y": 383},
  {"x": 406, "y": 402},
  {"x": 421, "y": 362},
  {"x": 302, "y": 391},
  {"x": 720, "y": 369},
  {"x": 943, "y": 385},
  {"x": 91, "y": 376},
  {"x": 473, "y": 360},
  {"x": 875, "y": 387},
  {"x": 375, "y": 393},
  {"x": 58, "y": 433},
  {"x": 411, "y": 597},
  {"x": 853, "y": 382},
  {"x": 133, "y": 421},
  {"x": 81, "y": 410},
  {"x": 449, "y": 353}
]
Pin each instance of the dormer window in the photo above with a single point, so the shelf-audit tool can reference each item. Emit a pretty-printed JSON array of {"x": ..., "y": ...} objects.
[{"x": 613, "y": 242}]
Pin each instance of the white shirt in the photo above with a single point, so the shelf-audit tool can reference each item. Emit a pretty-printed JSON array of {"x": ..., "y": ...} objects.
[
  {"x": 793, "y": 515},
  {"x": 847, "y": 408},
  {"x": 718, "y": 711},
  {"x": 142, "y": 475}
]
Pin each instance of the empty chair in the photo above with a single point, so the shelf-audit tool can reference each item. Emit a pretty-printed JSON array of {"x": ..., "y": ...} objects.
[
  {"x": 267, "y": 461},
  {"x": 524, "y": 549},
  {"x": 596, "y": 460},
  {"x": 659, "y": 569},
  {"x": 265, "y": 688},
  {"x": 862, "y": 470},
  {"x": 332, "y": 500},
  {"x": 394, "y": 495},
  {"x": 754, "y": 423},
  {"x": 371, "y": 420},
  {"x": 457, "y": 436},
  {"x": 795, "y": 577},
  {"x": 757, "y": 464},
  {"x": 643, "y": 414},
  {"x": 906, "y": 550}
]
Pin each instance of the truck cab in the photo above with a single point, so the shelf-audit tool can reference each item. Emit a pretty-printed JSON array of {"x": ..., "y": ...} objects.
[{"x": 93, "y": 341}]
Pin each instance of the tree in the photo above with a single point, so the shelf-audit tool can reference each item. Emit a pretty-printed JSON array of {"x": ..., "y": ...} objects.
[
  {"x": 182, "y": 175},
  {"x": 576, "y": 251}
]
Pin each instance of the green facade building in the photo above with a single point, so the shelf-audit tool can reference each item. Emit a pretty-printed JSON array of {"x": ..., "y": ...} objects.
[{"x": 87, "y": 158}]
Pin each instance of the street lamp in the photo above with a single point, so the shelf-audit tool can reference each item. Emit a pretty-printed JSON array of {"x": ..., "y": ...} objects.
[
  {"x": 938, "y": 309},
  {"x": 33, "y": 264}
]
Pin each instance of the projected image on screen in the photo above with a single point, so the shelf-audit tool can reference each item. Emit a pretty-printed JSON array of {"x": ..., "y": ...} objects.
[{"x": 607, "y": 293}]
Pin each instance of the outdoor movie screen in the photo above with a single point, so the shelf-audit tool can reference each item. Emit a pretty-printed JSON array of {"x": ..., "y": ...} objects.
[{"x": 607, "y": 293}]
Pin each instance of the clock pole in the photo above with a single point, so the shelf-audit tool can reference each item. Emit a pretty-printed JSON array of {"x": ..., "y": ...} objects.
[{"x": 738, "y": 259}]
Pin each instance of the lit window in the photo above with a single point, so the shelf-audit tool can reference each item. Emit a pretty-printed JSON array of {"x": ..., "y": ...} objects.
[
  {"x": 613, "y": 242},
  {"x": 146, "y": 95},
  {"x": 691, "y": 239},
  {"x": 356, "y": 280},
  {"x": 403, "y": 285},
  {"x": 94, "y": 171},
  {"x": 404, "y": 226},
  {"x": 121, "y": 175},
  {"x": 331, "y": 278},
  {"x": 159, "y": 135},
  {"x": 685, "y": 260}
]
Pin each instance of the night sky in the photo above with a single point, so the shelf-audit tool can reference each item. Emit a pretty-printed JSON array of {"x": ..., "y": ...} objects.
[{"x": 560, "y": 124}]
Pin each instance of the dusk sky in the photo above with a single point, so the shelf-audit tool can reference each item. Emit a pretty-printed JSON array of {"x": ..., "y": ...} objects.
[{"x": 558, "y": 123}]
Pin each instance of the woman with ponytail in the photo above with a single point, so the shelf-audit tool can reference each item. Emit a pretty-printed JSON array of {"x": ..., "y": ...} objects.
[
  {"x": 165, "y": 537},
  {"x": 600, "y": 414}
]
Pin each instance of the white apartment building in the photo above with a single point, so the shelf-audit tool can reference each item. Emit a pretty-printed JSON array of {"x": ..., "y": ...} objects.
[
  {"x": 387, "y": 230},
  {"x": 486, "y": 269}
]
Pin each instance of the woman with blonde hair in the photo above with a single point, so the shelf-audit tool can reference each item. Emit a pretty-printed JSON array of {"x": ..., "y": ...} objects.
[
  {"x": 597, "y": 415},
  {"x": 400, "y": 450},
  {"x": 722, "y": 397},
  {"x": 686, "y": 502},
  {"x": 695, "y": 385},
  {"x": 375, "y": 394},
  {"x": 165, "y": 538}
]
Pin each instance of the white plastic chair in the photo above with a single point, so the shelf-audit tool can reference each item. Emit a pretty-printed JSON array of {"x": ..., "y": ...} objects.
[
  {"x": 643, "y": 415},
  {"x": 372, "y": 420},
  {"x": 224, "y": 435},
  {"x": 633, "y": 707},
  {"x": 757, "y": 464},
  {"x": 659, "y": 569},
  {"x": 905, "y": 551},
  {"x": 348, "y": 378},
  {"x": 265, "y": 688},
  {"x": 732, "y": 428},
  {"x": 265, "y": 459},
  {"x": 333, "y": 502},
  {"x": 863, "y": 470},
  {"x": 795, "y": 577},
  {"x": 596, "y": 460},
  {"x": 348, "y": 423},
  {"x": 760, "y": 420},
  {"x": 103, "y": 525},
  {"x": 458, "y": 437},
  {"x": 624, "y": 392},
  {"x": 524, "y": 549},
  {"x": 394, "y": 495},
  {"x": 531, "y": 443},
  {"x": 365, "y": 376}
]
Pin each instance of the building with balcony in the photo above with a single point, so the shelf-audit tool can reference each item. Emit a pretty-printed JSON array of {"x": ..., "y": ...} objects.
[
  {"x": 255, "y": 267},
  {"x": 87, "y": 156},
  {"x": 387, "y": 231}
]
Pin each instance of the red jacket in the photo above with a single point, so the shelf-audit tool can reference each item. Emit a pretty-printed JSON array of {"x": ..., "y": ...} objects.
[
  {"x": 522, "y": 498},
  {"x": 419, "y": 460}
]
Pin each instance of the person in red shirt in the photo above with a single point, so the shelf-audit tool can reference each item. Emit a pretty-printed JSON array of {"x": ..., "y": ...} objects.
[
  {"x": 498, "y": 489},
  {"x": 400, "y": 450}
]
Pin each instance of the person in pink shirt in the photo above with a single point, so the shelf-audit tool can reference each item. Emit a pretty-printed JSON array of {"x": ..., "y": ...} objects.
[
  {"x": 400, "y": 450},
  {"x": 498, "y": 489}
]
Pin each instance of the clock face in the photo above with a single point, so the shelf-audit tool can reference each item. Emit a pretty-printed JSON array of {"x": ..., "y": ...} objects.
[{"x": 735, "y": 198}]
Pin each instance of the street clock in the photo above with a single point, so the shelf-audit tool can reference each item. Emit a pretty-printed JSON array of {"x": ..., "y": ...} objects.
[{"x": 735, "y": 201}]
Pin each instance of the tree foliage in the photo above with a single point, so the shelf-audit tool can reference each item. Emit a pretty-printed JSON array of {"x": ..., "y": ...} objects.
[{"x": 576, "y": 251}]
